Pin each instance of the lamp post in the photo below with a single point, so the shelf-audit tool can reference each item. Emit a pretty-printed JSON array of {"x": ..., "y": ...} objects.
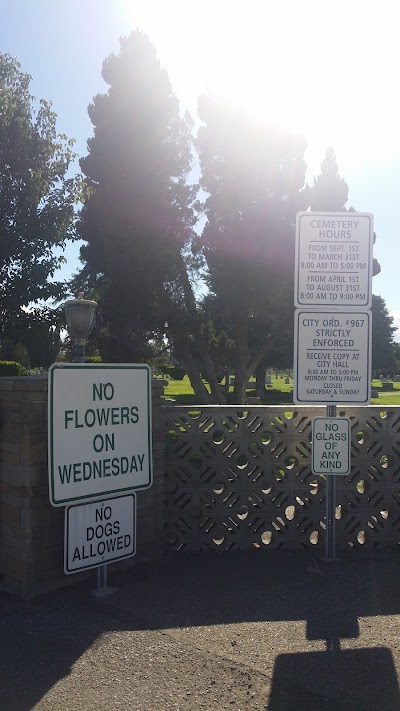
[{"x": 80, "y": 315}]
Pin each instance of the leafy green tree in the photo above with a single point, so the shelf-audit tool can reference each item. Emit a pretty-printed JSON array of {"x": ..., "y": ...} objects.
[
  {"x": 42, "y": 339},
  {"x": 35, "y": 341},
  {"x": 14, "y": 352},
  {"x": 37, "y": 198},
  {"x": 383, "y": 351},
  {"x": 253, "y": 177}
]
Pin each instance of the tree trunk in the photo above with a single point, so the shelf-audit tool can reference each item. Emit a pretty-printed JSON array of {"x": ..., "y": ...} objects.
[
  {"x": 242, "y": 350},
  {"x": 216, "y": 391},
  {"x": 260, "y": 380},
  {"x": 260, "y": 355},
  {"x": 226, "y": 387},
  {"x": 194, "y": 375}
]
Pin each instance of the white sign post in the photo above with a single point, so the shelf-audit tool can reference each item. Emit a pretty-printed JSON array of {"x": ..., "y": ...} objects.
[
  {"x": 334, "y": 259},
  {"x": 99, "y": 532},
  {"x": 331, "y": 445},
  {"x": 332, "y": 357},
  {"x": 99, "y": 431}
]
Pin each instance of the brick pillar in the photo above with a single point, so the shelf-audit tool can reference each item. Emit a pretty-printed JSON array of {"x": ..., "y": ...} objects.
[
  {"x": 31, "y": 530},
  {"x": 23, "y": 480},
  {"x": 151, "y": 502}
]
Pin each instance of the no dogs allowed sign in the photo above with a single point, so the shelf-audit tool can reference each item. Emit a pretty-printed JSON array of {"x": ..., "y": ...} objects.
[{"x": 99, "y": 533}]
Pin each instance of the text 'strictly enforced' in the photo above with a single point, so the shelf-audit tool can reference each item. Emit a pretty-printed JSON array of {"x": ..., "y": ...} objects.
[{"x": 332, "y": 357}]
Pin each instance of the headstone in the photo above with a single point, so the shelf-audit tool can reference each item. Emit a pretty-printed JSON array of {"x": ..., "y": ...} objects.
[{"x": 268, "y": 379}]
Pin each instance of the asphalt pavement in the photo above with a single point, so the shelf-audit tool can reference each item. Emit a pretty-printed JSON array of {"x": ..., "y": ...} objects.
[{"x": 243, "y": 631}]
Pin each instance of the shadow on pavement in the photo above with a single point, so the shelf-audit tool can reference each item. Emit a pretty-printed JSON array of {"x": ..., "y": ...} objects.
[
  {"x": 39, "y": 643},
  {"x": 330, "y": 597},
  {"x": 41, "y": 640},
  {"x": 206, "y": 589},
  {"x": 363, "y": 678}
]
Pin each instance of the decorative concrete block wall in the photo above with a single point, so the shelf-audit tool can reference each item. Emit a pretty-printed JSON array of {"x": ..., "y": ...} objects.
[
  {"x": 240, "y": 478},
  {"x": 31, "y": 530}
]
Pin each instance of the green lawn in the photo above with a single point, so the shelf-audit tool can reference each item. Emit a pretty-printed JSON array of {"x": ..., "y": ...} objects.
[
  {"x": 180, "y": 391},
  {"x": 279, "y": 392},
  {"x": 391, "y": 397}
]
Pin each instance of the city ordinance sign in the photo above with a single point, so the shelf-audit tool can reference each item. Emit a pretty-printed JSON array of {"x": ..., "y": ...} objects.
[
  {"x": 99, "y": 430},
  {"x": 332, "y": 357}
]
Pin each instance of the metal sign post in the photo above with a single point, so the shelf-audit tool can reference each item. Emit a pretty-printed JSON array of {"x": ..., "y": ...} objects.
[
  {"x": 332, "y": 335},
  {"x": 330, "y": 505},
  {"x": 102, "y": 588},
  {"x": 331, "y": 445},
  {"x": 100, "y": 445},
  {"x": 98, "y": 533},
  {"x": 331, "y": 456}
]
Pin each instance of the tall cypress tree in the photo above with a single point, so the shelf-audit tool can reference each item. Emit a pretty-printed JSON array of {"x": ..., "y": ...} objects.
[
  {"x": 253, "y": 175},
  {"x": 138, "y": 221},
  {"x": 330, "y": 192}
]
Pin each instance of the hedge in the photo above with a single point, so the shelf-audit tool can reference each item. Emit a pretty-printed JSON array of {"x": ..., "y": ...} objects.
[{"x": 10, "y": 368}]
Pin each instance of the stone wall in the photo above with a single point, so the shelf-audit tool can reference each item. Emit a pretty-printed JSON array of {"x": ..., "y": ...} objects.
[{"x": 31, "y": 530}]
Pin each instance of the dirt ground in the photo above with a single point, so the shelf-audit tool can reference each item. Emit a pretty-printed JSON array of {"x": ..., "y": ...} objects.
[{"x": 241, "y": 631}]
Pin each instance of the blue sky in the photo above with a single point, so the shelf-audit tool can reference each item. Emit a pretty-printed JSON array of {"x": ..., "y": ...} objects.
[{"x": 329, "y": 70}]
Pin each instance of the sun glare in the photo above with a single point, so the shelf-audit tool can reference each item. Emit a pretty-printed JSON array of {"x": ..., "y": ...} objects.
[{"x": 328, "y": 71}]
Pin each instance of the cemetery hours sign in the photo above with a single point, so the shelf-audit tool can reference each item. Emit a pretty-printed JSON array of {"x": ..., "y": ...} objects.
[
  {"x": 334, "y": 259},
  {"x": 99, "y": 430},
  {"x": 332, "y": 357}
]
